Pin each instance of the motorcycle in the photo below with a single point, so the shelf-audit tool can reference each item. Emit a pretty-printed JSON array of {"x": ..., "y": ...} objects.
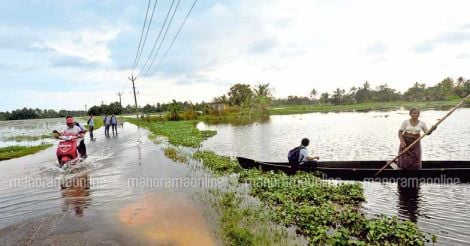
[{"x": 67, "y": 150}]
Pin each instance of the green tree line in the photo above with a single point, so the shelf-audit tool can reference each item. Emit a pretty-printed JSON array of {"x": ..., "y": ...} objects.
[
  {"x": 29, "y": 113},
  {"x": 447, "y": 89},
  {"x": 260, "y": 97}
]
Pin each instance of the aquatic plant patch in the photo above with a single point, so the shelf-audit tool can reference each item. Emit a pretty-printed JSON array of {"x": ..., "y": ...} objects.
[
  {"x": 182, "y": 133},
  {"x": 175, "y": 155}
]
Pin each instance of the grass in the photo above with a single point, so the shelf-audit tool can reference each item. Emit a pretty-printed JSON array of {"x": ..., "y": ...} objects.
[
  {"x": 98, "y": 122},
  {"x": 11, "y": 152},
  {"x": 300, "y": 109},
  {"x": 182, "y": 133}
]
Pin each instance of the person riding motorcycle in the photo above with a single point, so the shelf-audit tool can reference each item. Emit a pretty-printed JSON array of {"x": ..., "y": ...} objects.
[{"x": 75, "y": 129}]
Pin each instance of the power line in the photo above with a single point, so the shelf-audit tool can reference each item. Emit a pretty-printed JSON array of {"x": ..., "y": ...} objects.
[
  {"x": 159, "y": 34},
  {"x": 176, "y": 35},
  {"x": 146, "y": 34},
  {"x": 163, "y": 39},
  {"x": 141, "y": 34}
]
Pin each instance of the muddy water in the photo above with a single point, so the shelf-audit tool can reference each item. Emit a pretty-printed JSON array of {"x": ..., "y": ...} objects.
[
  {"x": 106, "y": 202},
  {"x": 443, "y": 210}
]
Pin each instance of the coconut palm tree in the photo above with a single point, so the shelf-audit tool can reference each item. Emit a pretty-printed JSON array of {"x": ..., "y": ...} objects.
[
  {"x": 460, "y": 81},
  {"x": 338, "y": 95},
  {"x": 263, "y": 96},
  {"x": 313, "y": 93}
]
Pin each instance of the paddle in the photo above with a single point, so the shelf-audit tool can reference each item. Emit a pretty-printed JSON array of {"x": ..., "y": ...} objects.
[{"x": 427, "y": 132}]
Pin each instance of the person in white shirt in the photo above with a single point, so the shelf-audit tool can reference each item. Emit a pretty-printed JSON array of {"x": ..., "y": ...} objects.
[
  {"x": 75, "y": 129},
  {"x": 304, "y": 157},
  {"x": 409, "y": 132}
]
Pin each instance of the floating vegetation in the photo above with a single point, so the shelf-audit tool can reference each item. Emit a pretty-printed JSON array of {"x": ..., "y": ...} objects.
[
  {"x": 175, "y": 155},
  {"x": 245, "y": 223},
  {"x": 182, "y": 133},
  {"x": 220, "y": 165}
]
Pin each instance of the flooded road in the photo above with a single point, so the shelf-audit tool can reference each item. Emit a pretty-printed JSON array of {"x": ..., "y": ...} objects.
[
  {"x": 441, "y": 209},
  {"x": 128, "y": 193}
]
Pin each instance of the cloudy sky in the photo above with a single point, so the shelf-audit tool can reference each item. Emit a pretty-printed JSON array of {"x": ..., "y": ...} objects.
[{"x": 68, "y": 53}]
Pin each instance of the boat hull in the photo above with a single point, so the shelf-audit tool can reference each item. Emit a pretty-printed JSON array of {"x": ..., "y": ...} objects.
[{"x": 432, "y": 171}]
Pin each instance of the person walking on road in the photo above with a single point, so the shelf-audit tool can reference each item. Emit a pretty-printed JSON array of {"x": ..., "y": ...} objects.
[
  {"x": 91, "y": 126},
  {"x": 114, "y": 124},
  {"x": 107, "y": 123}
]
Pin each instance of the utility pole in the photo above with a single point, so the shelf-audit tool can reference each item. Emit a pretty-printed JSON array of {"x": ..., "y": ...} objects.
[
  {"x": 132, "y": 78},
  {"x": 86, "y": 111},
  {"x": 120, "y": 94}
]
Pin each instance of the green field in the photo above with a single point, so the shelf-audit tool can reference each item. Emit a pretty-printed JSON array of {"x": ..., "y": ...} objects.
[
  {"x": 11, "y": 152},
  {"x": 98, "y": 122}
]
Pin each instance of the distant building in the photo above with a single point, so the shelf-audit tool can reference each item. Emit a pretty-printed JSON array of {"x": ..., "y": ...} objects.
[{"x": 219, "y": 106}]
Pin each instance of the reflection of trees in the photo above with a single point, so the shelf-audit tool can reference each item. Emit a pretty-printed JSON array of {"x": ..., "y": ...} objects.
[
  {"x": 76, "y": 194},
  {"x": 408, "y": 200}
]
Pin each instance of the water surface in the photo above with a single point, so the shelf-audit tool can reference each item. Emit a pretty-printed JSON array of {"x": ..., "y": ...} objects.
[
  {"x": 101, "y": 204},
  {"x": 440, "y": 209}
]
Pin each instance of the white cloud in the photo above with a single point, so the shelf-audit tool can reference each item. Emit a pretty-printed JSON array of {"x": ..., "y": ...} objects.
[
  {"x": 294, "y": 45},
  {"x": 321, "y": 44},
  {"x": 89, "y": 45}
]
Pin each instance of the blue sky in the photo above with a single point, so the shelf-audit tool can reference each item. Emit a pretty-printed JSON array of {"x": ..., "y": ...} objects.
[{"x": 65, "y": 54}]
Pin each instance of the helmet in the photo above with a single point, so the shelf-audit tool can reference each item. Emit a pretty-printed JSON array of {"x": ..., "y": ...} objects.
[{"x": 69, "y": 120}]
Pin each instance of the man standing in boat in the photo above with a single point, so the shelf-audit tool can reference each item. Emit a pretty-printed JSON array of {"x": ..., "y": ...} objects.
[{"x": 409, "y": 132}]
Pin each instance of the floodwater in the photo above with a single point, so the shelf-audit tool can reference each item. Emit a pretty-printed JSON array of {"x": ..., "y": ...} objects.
[
  {"x": 9, "y": 129},
  {"x": 127, "y": 193},
  {"x": 441, "y": 209}
]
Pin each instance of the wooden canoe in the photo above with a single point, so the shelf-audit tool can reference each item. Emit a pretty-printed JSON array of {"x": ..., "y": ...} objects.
[{"x": 440, "y": 171}]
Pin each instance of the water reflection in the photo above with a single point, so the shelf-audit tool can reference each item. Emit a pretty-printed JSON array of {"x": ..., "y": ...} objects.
[
  {"x": 408, "y": 200},
  {"x": 76, "y": 193},
  {"x": 169, "y": 219}
]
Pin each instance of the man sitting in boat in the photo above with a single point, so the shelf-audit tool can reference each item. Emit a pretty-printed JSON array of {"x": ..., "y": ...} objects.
[
  {"x": 303, "y": 153},
  {"x": 300, "y": 156}
]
